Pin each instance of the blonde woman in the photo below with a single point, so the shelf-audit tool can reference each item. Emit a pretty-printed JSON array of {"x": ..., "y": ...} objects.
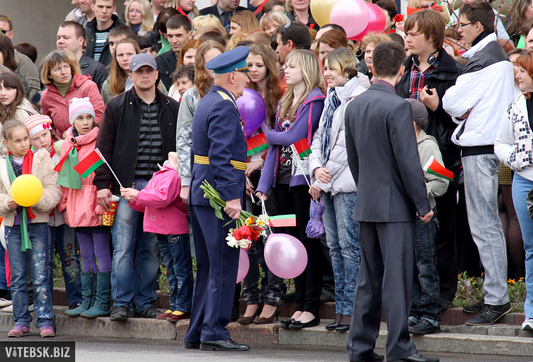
[
  {"x": 297, "y": 117},
  {"x": 270, "y": 22},
  {"x": 185, "y": 7},
  {"x": 139, "y": 16},
  {"x": 243, "y": 22},
  {"x": 204, "y": 21}
]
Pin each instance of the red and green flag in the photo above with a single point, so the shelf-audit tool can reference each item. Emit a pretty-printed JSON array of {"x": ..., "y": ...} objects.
[
  {"x": 90, "y": 163},
  {"x": 302, "y": 148},
  {"x": 434, "y": 167},
  {"x": 282, "y": 221},
  {"x": 256, "y": 144}
]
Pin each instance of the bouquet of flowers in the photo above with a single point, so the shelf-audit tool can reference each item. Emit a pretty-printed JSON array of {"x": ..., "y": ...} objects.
[{"x": 249, "y": 227}]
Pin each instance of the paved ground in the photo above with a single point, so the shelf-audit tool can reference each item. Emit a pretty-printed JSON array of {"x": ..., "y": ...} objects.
[{"x": 131, "y": 350}]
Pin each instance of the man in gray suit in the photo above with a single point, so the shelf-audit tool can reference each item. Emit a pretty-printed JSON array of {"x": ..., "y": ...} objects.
[{"x": 383, "y": 158}]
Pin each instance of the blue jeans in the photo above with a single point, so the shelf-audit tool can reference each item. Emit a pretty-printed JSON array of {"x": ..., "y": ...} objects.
[
  {"x": 3, "y": 280},
  {"x": 342, "y": 237},
  {"x": 64, "y": 237},
  {"x": 521, "y": 187},
  {"x": 135, "y": 258},
  {"x": 481, "y": 189},
  {"x": 39, "y": 269},
  {"x": 176, "y": 253},
  {"x": 426, "y": 301}
]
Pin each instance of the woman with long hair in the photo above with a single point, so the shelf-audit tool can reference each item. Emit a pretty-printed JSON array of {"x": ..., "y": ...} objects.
[
  {"x": 139, "y": 16},
  {"x": 61, "y": 74},
  {"x": 185, "y": 7},
  {"x": 13, "y": 102},
  {"x": 270, "y": 22},
  {"x": 333, "y": 182},
  {"x": 188, "y": 52},
  {"x": 243, "y": 21},
  {"x": 265, "y": 80},
  {"x": 203, "y": 82},
  {"x": 297, "y": 118},
  {"x": 512, "y": 146},
  {"x": 521, "y": 12}
]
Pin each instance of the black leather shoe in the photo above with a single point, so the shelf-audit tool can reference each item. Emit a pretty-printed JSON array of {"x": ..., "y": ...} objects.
[
  {"x": 332, "y": 326},
  {"x": 342, "y": 328},
  {"x": 473, "y": 308},
  {"x": 119, "y": 314},
  {"x": 489, "y": 314},
  {"x": 372, "y": 357},
  {"x": 149, "y": 312},
  {"x": 192, "y": 345},
  {"x": 297, "y": 325},
  {"x": 223, "y": 345},
  {"x": 423, "y": 327},
  {"x": 417, "y": 357}
]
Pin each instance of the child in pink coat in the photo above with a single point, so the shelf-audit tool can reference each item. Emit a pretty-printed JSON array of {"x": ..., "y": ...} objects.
[
  {"x": 165, "y": 214},
  {"x": 83, "y": 213}
]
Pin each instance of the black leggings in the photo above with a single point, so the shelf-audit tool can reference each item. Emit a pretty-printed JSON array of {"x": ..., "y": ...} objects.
[{"x": 309, "y": 283}]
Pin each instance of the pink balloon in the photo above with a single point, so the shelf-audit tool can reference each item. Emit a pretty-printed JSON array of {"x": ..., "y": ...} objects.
[
  {"x": 352, "y": 15},
  {"x": 285, "y": 255},
  {"x": 376, "y": 22},
  {"x": 244, "y": 265}
]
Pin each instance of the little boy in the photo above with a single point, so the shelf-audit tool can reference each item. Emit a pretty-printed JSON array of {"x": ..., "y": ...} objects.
[{"x": 425, "y": 307}]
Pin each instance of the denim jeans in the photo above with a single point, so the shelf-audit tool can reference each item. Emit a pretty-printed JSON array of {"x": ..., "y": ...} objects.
[
  {"x": 342, "y": 237},
  {"x": 38, "y": 260},
  {"x": 3, "y": 280},
  {"x": 135, "y": 258},
  {"x": 481, "y": 189},
  {"x": 176, "y": 253},
  {"x": 251, "y": 292},
  {"x": 426, "y": 301},
  {"x": 64, "y": 238},
  {"x": 521, "y": 187}
]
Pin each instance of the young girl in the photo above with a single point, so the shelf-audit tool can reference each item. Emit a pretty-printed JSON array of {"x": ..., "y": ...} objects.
[
  {"x": 297, "y": 117},
  {"x": 61, "y": 235},
  {"x": 26, "y": 230},
  {"x": 83, "y": 213},
  {"x": 265, "y": 80},
  {"x": 166, "y": 215},
  {"x": 13, "y": 102}
]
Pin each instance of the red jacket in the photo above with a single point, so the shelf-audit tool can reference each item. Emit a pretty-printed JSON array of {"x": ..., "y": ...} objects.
[{"x": 56, "y": 106}]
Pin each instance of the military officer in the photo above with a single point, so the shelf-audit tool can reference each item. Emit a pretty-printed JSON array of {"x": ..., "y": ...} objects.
[{"x": 218, "y": 156}]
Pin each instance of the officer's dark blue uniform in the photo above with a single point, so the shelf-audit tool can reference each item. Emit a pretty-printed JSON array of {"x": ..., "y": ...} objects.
[{"x": 218, "y": 156}]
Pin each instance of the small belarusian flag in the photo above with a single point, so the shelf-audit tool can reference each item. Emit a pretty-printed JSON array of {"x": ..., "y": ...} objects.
[
  {"x": 302, "y": 148},
  {"x": 90, "y": 163},
  {"x": 282, "y": 221},
  {"x": 256, "y": 144},
  {"x": 435, "y": 168}
]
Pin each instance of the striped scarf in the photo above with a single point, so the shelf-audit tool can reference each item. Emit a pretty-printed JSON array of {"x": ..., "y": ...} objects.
[{"x": 325, "y": 135}]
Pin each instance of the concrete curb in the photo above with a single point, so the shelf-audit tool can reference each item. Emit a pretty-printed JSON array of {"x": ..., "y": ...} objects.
[{"x": 505, "y": 340}]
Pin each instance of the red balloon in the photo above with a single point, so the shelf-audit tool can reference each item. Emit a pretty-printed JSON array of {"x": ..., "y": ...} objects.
[{"x": 376, "y": 22}]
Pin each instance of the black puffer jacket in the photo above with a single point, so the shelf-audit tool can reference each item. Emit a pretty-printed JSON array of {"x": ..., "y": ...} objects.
[
  {"x": 440, "y": 124},
  {"x": 118, "y": 139}
]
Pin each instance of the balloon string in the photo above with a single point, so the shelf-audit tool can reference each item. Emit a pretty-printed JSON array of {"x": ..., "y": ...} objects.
[{"x": 264, "y": 212}]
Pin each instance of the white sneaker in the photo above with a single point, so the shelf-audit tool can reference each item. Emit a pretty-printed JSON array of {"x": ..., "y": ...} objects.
[
  {"x": 8, "y": 309},
  {"x": 30, "y": 308},
  {"x": 5, "y": 302},
  {"x": 528, "y": 325}
]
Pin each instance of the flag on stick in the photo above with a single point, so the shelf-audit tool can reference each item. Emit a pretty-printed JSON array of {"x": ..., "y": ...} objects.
[
  {"x": 90, "y": 163},
  {"x": 281, "y": 221},
  {"x": 256, "y": 144},
  {"x": 302, "y": 148},
  {"x": 435, "y": 168},
  {"x": 110, "y": 169}
]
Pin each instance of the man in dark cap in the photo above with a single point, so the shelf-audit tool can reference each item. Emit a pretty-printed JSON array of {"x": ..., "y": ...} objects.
[{"x": 219, "y": 156}]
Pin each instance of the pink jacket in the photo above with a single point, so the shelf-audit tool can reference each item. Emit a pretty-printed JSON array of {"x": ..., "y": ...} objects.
[
  {"x": 81, "y": 207},
  {"x": 164, "y": 212},
  {"x": 56, "y": 106}
]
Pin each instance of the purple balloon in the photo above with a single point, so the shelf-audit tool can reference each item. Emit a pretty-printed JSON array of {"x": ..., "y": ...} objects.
[
  {"x": 244, "y": 265},
  {"x": 252, "y": 109},
  {"x": 285, "y": 255}
]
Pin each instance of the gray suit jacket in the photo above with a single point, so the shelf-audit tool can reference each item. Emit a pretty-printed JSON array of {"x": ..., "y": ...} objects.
[{"x": 383, "y": 158}]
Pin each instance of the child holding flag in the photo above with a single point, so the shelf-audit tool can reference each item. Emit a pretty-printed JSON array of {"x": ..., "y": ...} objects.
[
  {"x": 83, "y": 213},
  {"x": 165, "y": 214},
  {"x": 26, "y": 229},
  {"x": 425, "y": 307},
  {"x": 297, "y": 118}
]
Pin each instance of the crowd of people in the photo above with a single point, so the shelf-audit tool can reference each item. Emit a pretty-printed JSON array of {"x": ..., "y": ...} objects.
[{"x": 154, "y": 91}]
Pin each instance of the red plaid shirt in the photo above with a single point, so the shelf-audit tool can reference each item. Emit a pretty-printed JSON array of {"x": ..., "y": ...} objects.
[{"x": 417, "y": 77}]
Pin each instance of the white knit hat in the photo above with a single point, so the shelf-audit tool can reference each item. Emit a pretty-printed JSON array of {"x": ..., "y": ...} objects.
[
  {"x": 37, "y": 123},
  {"x": 80, "y": 106}
]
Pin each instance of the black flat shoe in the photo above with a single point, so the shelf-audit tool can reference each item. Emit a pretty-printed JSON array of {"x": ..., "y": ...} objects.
[
  {"x": 332, "y": 326},
  {"x": 286, "y": 323},
  {"x": 223, "y": 345},
  {"x": 417, "y": 357},
  {"x": 297, "y": 325},
  {"x": 342, "y": 328},
  {"x": 192, "y": 345},
  {"x": 372, "y": 357}
]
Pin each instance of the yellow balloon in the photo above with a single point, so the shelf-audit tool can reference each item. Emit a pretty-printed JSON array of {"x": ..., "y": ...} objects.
[
  {"x": 320, "y": 9},
  {"x": 26, "y": 190}
]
